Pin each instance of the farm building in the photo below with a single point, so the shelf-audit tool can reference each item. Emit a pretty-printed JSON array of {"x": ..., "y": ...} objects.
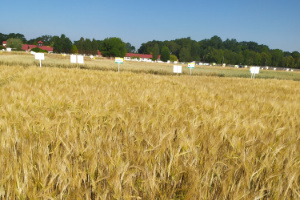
[
  {"x": 28, "y": 47},
  {"x": 139, "y": 57}
]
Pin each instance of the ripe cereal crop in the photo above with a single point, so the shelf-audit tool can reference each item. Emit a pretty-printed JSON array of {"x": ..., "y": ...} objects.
[{"x": 90, "y": 134}]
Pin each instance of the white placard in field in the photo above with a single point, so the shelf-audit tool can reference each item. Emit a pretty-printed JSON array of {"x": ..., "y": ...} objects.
[
  {"x": 119, "y": 60},
  {"x": 254, "y": 70},
  {"x": 191, "y": 65},
  {"x": 177, "y": 69},
  {"x": 39, "y": 56},
  {"x": 80, "y": 59},
  {"x": 73, "y": 59},
  {"x": 8, "y": 49}
]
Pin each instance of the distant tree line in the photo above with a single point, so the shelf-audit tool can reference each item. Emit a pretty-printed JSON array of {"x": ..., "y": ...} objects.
[
  {"x": 212, "y": 50},
  {"x": 230, "y": 51},
  {"x": 109, "y": 47}
]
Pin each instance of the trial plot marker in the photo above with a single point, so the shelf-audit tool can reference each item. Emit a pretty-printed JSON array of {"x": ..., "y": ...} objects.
[
  {"x": 177, "y": 69},
  {"x": 119, "y": 61},
  {"x": 253, "y": 71},
  {"x": 40, "y": 57}
]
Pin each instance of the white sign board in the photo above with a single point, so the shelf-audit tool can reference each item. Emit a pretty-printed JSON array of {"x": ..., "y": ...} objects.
[
  {"x": 119, "y": 60},
  {"x": 73, "y": 59},
  {"x": 80, "y": 59},
  {"x": 191, "y": 65},
  {"x": 177, "y": 69},
  {"x": 254, "y": 70},
  {"x": 39, "y": 56},
  {"x": 8, "y": 49}
]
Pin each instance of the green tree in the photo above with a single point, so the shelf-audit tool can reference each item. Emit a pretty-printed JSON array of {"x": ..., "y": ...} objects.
[
  {"x": 216, "y": 42},
  {"x": 173, "y": 58},
  {"x": 290, "y": 62},
  {"x": 277, "y": 57},
  {"x": 113, "y": 47},
  {"x": 174, "y": 47},
  {"x": 3, "y": 37},
  {"x": 74, "y": 49},
  {"x": 80, "y": 45},
  {"x": 46, "y": 39},
  {"x": 165, "y": 54},
  {"x": 17, "y": 36},
  {"x": 266, "y": 59},
  {"x": 216, "y": 56},
  {"x": 14, "y": 43},
  {"x": 87, "y": 46},
  {"x": 129, "y": 48},
  {"x": 296, "y": 56},
  {"x": 185, "y": 55},
  {"x": 94, "y": 47},
  {"x": 62, "y": 44},
  {"x": 155, "y": 52}
]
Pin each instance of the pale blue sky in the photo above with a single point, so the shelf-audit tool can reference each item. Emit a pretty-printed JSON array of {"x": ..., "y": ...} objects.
[{"x": 275, "y": 23}]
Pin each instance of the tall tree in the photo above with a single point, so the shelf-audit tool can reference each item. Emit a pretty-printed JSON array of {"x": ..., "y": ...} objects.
[
  {"x": 165, "y": 54},
  {"x": 87, "y": 46},
  {"x": 14, "y": 43},
  {"x": 185, "y": 55},
  {"x": 62, "y": 44},
  {"x": 129, "y": 48},
  {"x": 74, "y": 49},
  {"x": 113, "y": 47},
  {"x": 18, "y": 36},
  {"x": 155, "y": 52},
  {"x": 94, "y": 47}
]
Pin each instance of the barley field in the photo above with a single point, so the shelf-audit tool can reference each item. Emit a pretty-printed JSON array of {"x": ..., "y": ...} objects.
[{"x": 90, "y": 134}]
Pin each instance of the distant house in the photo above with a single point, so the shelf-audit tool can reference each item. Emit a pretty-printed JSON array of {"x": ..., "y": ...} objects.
[
  {"x": 139, "y": 57},
  {"x": 4, "y": 43},
  {"x": 28, "y": 47}
]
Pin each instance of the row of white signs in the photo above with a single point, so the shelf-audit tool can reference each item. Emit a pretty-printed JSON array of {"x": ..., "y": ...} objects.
[
  {"x": 73, "y": 58},
  {"x": 176, "y": 68}
]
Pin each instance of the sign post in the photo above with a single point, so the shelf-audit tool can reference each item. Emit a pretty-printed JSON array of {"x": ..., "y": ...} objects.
[
  {"x": 39, "y": 56},
  {"x": 191, "y": 66},
  {"x": 119, "y": 61},
  {"x": 253, "y": 71}
]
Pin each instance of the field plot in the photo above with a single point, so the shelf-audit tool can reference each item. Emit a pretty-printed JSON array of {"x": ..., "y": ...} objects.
[
  {"x": 102, "y": 64},
  {"x": 85, "y": 134}
]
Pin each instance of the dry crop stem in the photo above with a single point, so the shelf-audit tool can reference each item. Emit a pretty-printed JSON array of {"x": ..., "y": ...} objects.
[{"x": 82, "y": 134}]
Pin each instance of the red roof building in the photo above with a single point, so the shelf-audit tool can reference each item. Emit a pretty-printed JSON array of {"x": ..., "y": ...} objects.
[
  {"x": 28, "y": 47},
  {"x": 143, "y": 57},
  {"x": 40, "y": 43}
]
